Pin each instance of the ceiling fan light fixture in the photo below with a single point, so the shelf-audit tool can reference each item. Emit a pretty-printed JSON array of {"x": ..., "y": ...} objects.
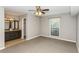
[{"x": 38, "y": 13}]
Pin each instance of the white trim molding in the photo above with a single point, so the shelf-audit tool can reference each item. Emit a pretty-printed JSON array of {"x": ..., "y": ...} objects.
[
  {"x": 60, "y": 38},
  {"x": 2, "y": 48},
  {"x": 32, "y": 37}
]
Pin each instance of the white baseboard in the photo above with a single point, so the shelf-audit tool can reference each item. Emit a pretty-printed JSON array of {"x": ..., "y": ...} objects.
[
  {"x": 2, "y": 48},
  {"x": 60, "y": 38},
  {"x": 51, "y": 37},
  {"x": 32, "y": 37}
]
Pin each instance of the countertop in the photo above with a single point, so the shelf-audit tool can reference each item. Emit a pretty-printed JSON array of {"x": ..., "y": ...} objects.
[{"x": 10, "y": 30}]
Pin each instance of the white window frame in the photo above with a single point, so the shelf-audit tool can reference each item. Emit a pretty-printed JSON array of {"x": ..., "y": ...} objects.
[{"x": 50, "y": 28}]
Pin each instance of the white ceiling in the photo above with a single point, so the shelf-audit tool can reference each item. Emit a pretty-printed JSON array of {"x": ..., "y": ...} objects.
[
  {"x": 74, "y": 10},
  {"x": 53, "y": 10}
]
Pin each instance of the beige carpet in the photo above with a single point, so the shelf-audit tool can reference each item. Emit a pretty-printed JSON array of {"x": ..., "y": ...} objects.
[
  {"x": 13, "y": 42},
  {"x": 42, "y": 45}
]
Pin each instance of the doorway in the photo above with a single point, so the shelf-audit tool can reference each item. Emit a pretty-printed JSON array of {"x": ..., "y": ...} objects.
[
  {"x": 24, "y": 28},
  {"x": 12, "y": 33}
]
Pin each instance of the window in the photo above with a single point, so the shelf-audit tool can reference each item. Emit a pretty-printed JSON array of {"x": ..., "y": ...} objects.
[{"x": 55, "y": 24}]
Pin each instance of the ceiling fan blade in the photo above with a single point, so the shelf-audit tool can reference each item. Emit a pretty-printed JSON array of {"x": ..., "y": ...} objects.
[{"x": 45, "y": 10}]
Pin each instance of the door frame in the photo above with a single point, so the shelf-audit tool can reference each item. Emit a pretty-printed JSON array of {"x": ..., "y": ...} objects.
[{"x": 22, "y": 36}]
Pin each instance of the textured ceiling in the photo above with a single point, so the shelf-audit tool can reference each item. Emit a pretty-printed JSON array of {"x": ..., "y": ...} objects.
[{"x": 53, "y": 10}]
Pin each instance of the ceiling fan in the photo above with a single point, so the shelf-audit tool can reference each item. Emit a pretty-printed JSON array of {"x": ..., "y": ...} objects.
[{"x": 39, "y": 11}]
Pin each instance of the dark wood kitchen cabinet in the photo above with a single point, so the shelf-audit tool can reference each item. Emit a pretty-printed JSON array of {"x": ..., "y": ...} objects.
[{"x": 11, "y": 35}]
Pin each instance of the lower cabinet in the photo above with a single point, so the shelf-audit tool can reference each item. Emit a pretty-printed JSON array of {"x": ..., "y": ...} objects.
[{"x": 11, "y": 35}]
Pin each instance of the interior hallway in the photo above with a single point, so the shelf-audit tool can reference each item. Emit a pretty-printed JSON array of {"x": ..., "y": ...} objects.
[{"x": 42, "y": 45}]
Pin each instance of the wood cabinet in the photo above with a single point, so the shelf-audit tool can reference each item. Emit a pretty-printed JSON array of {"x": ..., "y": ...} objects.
[{"x": 11, "y": 35}]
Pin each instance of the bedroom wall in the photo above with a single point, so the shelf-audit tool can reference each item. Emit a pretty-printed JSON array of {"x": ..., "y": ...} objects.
[
  {"x": 32, "y": 26},
  {"x": 67, "y": 27},
  {"x": 78, "y": 32},
  {"x": 2, "y": 42}
]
